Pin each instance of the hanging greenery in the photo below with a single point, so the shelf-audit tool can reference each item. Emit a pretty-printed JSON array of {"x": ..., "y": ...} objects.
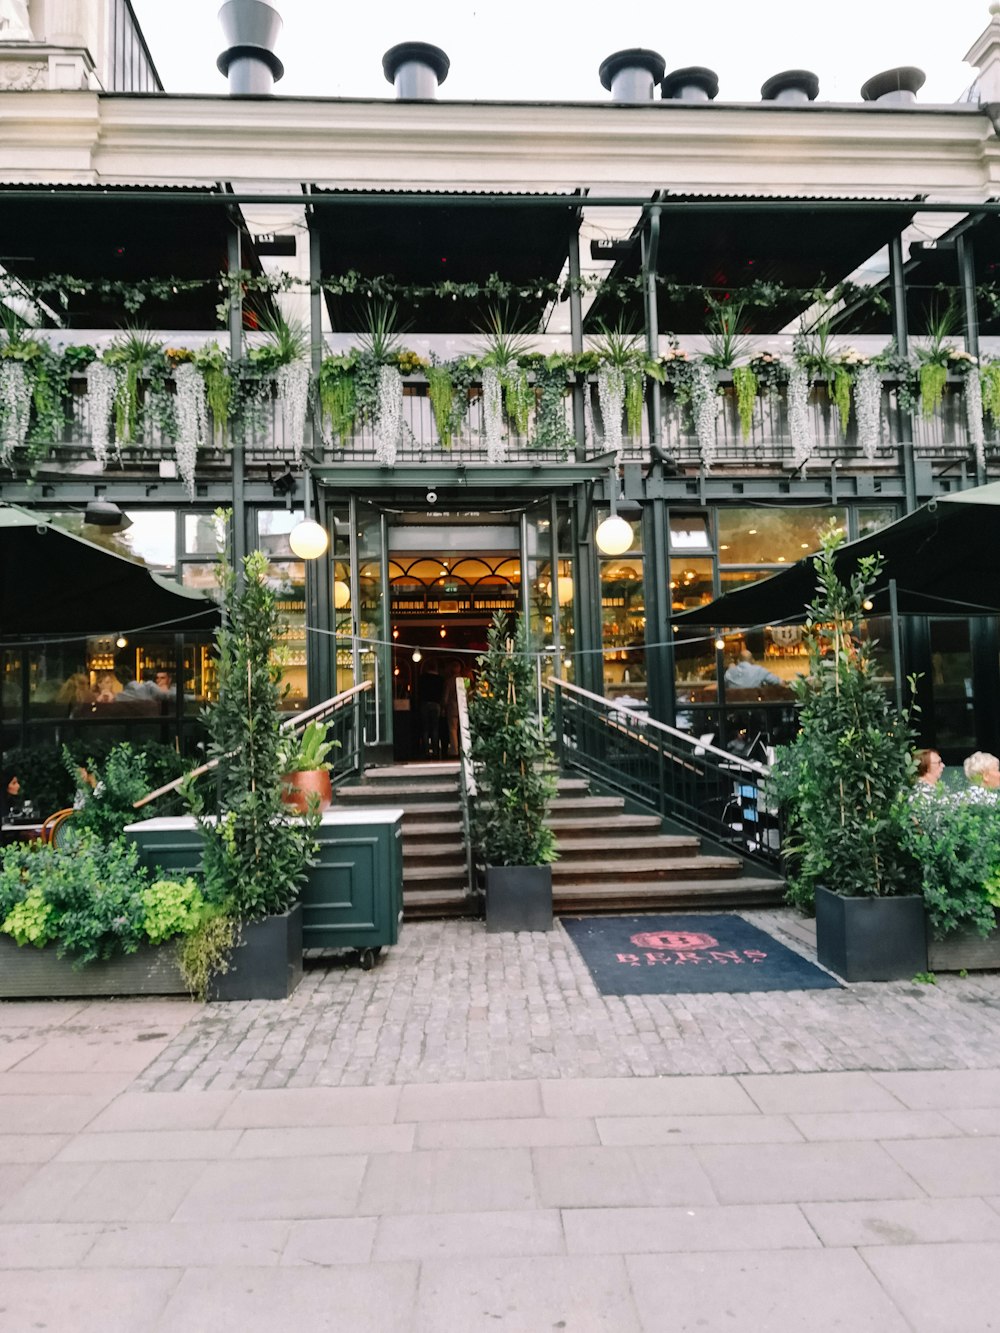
[
  {"x": 15, "y": 408},
  {"x": 843, "y": 382},
  {"x": 974, "y": 416},
  {"x": 213, "y": 364},
  {"x": 551, "y": 431},
  {"x": 990, "y": 379},
  {"x": 745, "y": 384},
  {"x": 611, "y": 397},
  {"x": 493, "y": 416},
  {"x": 192, "y": 422},
  {"x": 388, "y": 423},
  {"x": 868, "y": 408},
  {"x": 337, "y": 395},
  {"x": 101, "y": 402},
  {"x": 135, "y": 355},
  {"x": 705, "y": 404},
  {"x": 292, "y": 385},
  {"x": 799, "y": 420},
  {"x": 933, "y": 378}
]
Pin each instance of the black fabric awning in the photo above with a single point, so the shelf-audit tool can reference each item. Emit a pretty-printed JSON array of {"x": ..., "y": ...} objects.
[
  {"x": 54, "y": 583},
  {"x": 944, "y": 558}
]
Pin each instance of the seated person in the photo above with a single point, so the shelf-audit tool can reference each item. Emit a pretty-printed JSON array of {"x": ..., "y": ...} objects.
[
  {"x": 930, "y": 769},
  {"x": 745, "y": 674},
  {"x": 983, "y": 770},
  {"x": 10, "y": 792}
]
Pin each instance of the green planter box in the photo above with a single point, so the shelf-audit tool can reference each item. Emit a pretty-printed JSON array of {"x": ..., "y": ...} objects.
[
  {"x": 353, "y": 898},
  {"x": 27, "y": 973},
  {"x": 965, "y": 951}
]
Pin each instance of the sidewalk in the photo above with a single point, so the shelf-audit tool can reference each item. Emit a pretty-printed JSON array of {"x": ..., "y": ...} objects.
[{"x": 470, "y": 1137}]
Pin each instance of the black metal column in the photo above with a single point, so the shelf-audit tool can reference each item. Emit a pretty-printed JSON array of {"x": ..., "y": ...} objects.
[
  {"x": 900, "y": 333},
  {"x": 319, "y": 573},
  {"x": 580, "y": 387},
  {"x": 650, "y": 254},
  {"x": 967, "y": 277},
  {"x": 240, "y": 516}
]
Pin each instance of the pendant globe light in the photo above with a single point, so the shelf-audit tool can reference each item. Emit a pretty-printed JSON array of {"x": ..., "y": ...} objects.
[
  {"x": 614, "y": 536},
  {"x": 308, "y": 539}
]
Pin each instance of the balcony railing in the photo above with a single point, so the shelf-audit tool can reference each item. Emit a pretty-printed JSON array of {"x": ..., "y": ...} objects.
[{"x": 770, "y": 445}]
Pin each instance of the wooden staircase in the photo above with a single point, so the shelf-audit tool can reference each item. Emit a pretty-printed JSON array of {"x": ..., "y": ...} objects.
[{"x": 609, "y": 860}]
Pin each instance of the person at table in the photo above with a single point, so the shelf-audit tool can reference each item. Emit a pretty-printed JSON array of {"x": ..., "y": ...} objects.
[
  {"x": 745, "y": 674},
  {"x": 10, "y": 792}
]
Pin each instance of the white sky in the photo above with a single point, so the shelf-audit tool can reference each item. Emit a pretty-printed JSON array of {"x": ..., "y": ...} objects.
[{"x": 538, "y": 50}]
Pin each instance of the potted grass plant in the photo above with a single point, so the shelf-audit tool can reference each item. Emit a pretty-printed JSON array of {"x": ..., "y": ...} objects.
[
  {"x": 305, "y": 769},
  {"x": 511, "y": 754}
]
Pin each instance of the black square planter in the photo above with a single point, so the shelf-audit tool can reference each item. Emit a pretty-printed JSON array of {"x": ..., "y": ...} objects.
[
  {"x": 266, "y": 962},
  {"x": 518, "y": 898},
  {"x": 871, "y": 939}
]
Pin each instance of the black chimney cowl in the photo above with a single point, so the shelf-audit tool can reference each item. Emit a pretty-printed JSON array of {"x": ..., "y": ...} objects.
[
  {"x": 791, "y": 85},
  {"x": 695, "y": 83},
  {"x": 425, "y": 59},
  {"x": 631, "y": 75},
  {"x": 897, "y": 86}
]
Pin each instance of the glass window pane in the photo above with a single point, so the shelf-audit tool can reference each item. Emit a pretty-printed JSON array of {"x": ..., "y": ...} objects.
[
  {"x": 204, "y": 534},
  {"x": 202, "y": 575},
  {"x": 273, "y": 527},
  {"x": 690, "y": 584},
  {"x": 689, "y": 532},
  {"x": 872, "y": 518},
  {"x": 772, "y": 536},
  {"x": 288, "y": 580},
  {"x": 151, "y": 538},
  {"x": 623, "y": 627}
]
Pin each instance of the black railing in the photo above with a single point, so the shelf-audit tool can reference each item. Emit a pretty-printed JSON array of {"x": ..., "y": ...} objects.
[{"x": 691, "y": 783}]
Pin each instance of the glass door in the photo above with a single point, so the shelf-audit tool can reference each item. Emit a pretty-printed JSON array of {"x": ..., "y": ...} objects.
[{"x": 547, "y": 585}]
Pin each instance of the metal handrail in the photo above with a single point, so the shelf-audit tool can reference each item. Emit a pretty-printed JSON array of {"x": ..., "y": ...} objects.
[
  {"x": 300, "y": 720},
  {"x": 692, "y": 783},
  {"x": 467, "y": 778},
  {"x": 644, "y": 720}
]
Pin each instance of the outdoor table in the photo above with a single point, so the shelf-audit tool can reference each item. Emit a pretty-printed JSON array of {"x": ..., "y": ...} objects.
[{"x": 19, "y": 830}]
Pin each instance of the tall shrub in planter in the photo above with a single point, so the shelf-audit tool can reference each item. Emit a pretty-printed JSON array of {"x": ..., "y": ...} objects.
[
  {"x": 843, "y": 781},
  {"x": 254, "y": 855},
  {"x": 511, "y": 751}
]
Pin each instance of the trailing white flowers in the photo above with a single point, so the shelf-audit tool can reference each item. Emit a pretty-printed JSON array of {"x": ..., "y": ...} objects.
[
  {"x": 101, "y": 387},
  {"x": 388, "y": 421},
  {"x": 493, "y": 416},
  {"x": 868, "y": 409},
  {"x": 799, "y": 418},
  {"x": 191, "y": 413},
  {"x": 611, "y": 396},
  {"x": 705, "y": 405},
  {"x": 974, "y": 414},
  {"x": 15, "y": 408},
  {"x": 292, "y": 384}
]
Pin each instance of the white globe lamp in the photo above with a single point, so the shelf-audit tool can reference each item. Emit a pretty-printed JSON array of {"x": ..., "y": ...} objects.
[
  {"x": 614, "y": 535},
  {"x": 308, "y": 540}
]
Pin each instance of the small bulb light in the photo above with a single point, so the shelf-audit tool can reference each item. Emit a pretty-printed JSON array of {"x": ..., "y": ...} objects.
[
  {"x": 121, "y": 641},
  {"x": 720, "y": 644}
]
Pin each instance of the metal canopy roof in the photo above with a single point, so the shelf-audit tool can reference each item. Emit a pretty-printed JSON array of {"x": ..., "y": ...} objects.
[
  {"x": 93, "y": 233},
  {"x": 797, "y": 243},
  {"x": 448, "y": 238}
]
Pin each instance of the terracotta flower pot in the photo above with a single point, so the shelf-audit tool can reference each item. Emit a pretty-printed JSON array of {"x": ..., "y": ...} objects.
[{"x": 299, "y": 788}]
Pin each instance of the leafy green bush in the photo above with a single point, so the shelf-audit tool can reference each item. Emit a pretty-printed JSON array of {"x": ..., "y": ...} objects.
[
  {"x": 92, "y": 900},
  {"x": 510, "y": 749},
  {"x": 954, "y": 838},
  {"x": 50, "y": 785},
  {"x": 171, "y": 908},
  {"x": 121, "y": 781},
  {"x": 843, "y": 782}
]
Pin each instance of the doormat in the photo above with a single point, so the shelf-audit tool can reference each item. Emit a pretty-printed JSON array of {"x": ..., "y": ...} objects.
[{"x": 685, "y": 955}]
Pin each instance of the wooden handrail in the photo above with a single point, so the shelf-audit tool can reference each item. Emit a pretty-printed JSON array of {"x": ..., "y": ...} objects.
[{"x": 290, "y": 724}]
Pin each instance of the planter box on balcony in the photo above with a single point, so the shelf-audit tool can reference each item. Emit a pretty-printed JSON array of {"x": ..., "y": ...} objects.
[{"x": 27, "y": 973}]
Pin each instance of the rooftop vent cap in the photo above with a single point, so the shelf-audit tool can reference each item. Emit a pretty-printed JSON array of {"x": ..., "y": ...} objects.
[
  {"x": 693, "y": 84},
  {"x": 894, "y": 87},
  {"x": 251, "y": 28},
  {"x": 416, "y": 69},
  {"x": 790, "y": 86},
  {"x": 632, "y": 75}
]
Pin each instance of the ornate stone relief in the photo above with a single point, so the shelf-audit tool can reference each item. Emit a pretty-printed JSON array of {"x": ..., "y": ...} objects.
[{"x": 23, "y": 76}]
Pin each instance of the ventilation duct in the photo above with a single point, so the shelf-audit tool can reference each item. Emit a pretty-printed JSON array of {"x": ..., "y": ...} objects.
[
  {"x": 894, "y": 87},
  {"x": 790, "y": 86},
  {"x": 694, "y": 84},
  {"x": 416, "y": 70},
  {"x": 251, "y": 28},
  {"x": 632, "y": 75}
]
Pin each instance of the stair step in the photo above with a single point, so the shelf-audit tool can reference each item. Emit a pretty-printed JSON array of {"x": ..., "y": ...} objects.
[
  {"x": 420, "y": 830},
  {"x": 573, "y": 827},
  {"x": 414, "y": 876},
  {"x": 445, "y": 771},
  {"x": 452, "y": 858},
  {"x": 429, "y": 906},
  {"x": 388, "y": 793},
  {"x": 594, "y": 900},
  {"x": 583, "y": 807},
  {"x": 674, "y": 867},
  {"x": 629, "y": 845}
]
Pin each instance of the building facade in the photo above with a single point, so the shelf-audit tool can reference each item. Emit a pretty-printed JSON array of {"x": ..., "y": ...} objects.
[{"x": 462, "y": 335}]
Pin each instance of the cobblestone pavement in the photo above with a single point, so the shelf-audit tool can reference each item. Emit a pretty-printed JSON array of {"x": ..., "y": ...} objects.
[{"x": 450, "y": 1003}]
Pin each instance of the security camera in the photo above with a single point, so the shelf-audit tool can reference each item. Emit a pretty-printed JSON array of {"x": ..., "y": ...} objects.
[{"x": 432, "y": 497}]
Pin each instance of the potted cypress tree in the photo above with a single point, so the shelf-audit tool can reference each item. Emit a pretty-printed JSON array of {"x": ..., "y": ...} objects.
[
  {"x": 256, "y": 853},
  {"x": 511, "y": 749},
  {"x": 844, "y": 785}
]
